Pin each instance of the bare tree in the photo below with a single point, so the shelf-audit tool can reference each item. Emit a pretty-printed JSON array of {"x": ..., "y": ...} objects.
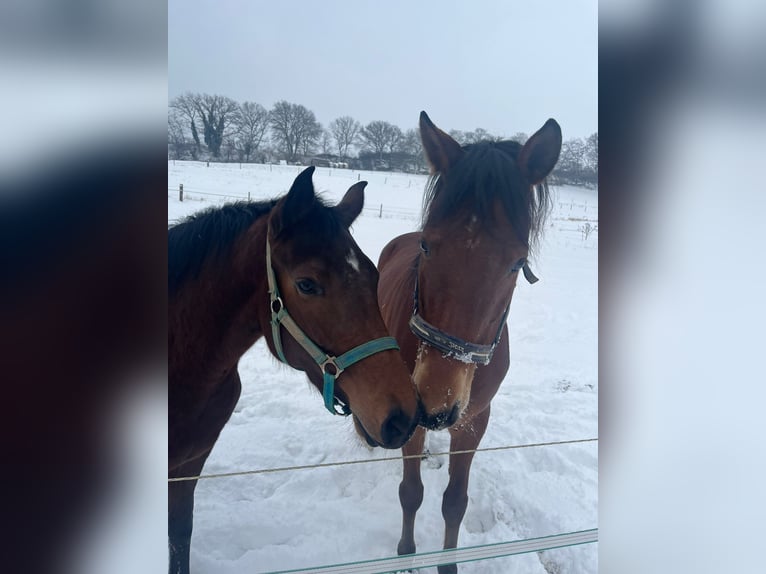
[
  {"x": 379, "y": 136},
  {"x": 479, "y": 135},
  {"x": 177, "y": 142},
  {"x": 571, "y": 165},
  {"x": 218, "y": 114},
  {"x": 251, "y": 123},
  {"x": 458, "y": 136},
  {"x": 325, "y": 142},
  {"x": 520, "y": 137},
  {"x": 185, "y": 106},
  {"x": 413, "y": 146},
  {"x": 591, "y": 152},
  {"x": 345, "y": 130},
  {"x": 294, "y": 128},
  {"x": 312, "y": 137},
  {"x": 395, "y": 139}
]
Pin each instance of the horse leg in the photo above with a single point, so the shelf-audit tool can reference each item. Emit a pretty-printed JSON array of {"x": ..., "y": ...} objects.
[
  {"x": 181, "y": 494},
  {"x": 180, "y": 514},
  {"x": 455, "y": 500},
  {"x": 411, "y": 490}
]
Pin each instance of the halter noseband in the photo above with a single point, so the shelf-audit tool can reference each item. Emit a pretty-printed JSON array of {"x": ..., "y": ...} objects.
[
  {"x": 450, "y": 345},
  {"x": 330, "y": 365}
]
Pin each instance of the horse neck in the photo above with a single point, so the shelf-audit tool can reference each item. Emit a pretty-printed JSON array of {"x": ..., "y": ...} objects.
[{"x": 230, "y": 310}]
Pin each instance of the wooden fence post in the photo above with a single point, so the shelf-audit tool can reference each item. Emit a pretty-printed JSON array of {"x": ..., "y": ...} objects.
[
  {"x": 180, "y": 192},
  {"x": 381, "y": 211}
]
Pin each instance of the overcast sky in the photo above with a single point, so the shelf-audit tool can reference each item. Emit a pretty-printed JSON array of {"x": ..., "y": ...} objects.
[{"x": 503, "y": 65}]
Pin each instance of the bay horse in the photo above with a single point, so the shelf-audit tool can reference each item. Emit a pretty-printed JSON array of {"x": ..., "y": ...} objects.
[
  {"x": 446, "y": 290},
  {"x": 287, "y": 270}
]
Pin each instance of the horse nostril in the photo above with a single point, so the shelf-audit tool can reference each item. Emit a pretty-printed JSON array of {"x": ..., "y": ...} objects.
[{"x": 396, "y": 429}]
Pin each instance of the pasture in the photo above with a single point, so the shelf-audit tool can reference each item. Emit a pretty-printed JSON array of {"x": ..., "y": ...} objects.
[{"x": 311, "y": 517}]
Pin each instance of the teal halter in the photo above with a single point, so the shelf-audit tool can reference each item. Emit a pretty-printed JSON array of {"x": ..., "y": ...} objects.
[{"x": 331, "y": 366}]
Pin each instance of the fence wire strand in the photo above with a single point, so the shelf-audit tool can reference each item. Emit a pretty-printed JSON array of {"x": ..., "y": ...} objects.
[{"x": 371, "y": 460}]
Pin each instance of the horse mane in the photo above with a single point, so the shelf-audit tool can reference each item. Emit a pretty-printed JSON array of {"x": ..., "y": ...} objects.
[
  {"x": 209, "y": 234},
  {"x": 488, "y": 170},
  {"x": 206, "y": 235}
]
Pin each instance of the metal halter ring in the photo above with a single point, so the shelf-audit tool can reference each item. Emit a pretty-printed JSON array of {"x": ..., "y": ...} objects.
[
  {"x": 277, "y": 302},
  {"x": 331, "y": 362}
]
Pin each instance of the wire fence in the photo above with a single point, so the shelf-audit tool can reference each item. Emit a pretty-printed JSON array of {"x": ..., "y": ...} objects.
[
  {"x": 371, "y": 460},
  {"x": 434, "y": 558},
  {"x": 564, "y": 213}
]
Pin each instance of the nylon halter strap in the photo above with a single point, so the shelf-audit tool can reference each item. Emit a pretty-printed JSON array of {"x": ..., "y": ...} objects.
[
  {"x": 453, "y": 346},
  {"x": 330, "y": 365}
]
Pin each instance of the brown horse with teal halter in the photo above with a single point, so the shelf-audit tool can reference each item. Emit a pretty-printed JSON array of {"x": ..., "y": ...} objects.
[
  {"x": 485, "y": 206},
  {"x": 233, "y": 272}
]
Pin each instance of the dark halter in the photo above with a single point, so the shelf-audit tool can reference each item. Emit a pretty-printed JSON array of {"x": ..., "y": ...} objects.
[
  {"x": 455, "y": 347},
  {"x": 331, "y": 366}
]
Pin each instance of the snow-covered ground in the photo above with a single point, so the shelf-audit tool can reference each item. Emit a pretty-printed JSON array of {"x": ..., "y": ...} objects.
[{"x": 306, "y": 518}]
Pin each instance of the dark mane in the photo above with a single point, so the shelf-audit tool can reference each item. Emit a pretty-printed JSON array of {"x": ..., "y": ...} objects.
[
  {"x": 207, "y": 234},
  {"x": 488, "y": 170}
]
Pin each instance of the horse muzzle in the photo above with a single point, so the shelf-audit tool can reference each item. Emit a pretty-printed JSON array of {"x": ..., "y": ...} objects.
[
  {"x": 442, "y": 419},
  {"x": 395, "y": 431}
]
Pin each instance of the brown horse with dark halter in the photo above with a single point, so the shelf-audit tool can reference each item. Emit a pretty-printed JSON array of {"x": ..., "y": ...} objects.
[
  {"x": 445, "y": 293},
  {"x": 290, "y": 271}
]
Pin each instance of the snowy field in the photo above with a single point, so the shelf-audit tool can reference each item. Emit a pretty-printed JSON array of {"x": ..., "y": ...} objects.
[{"x": 304, "y": 518}]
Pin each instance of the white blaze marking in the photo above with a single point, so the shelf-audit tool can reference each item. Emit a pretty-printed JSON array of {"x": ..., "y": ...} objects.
[{"x": 352, "y": 260}]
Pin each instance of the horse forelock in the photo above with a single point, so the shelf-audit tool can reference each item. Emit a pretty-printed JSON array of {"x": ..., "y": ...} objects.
[
  {"x": 320, "y": 233},
  {"x": 487, "y": 172}
]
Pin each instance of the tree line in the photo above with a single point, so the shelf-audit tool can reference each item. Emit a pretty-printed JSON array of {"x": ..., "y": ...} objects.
[{"x": 218, "y": 128}]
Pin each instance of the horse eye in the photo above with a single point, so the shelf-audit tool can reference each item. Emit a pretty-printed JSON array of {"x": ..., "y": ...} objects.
[
  {"x": 308, "y": 287},
  {"x": 424, "y": 246},
  {"x": 519, "y": 264}
]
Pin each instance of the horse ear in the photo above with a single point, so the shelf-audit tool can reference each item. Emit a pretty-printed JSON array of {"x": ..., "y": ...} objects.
[
  {"x": 352, "y": 203},
  {"x": 296, "y": 204},
  {"x": 541, "y": 152},
  {"x": 442, "y": 152}
]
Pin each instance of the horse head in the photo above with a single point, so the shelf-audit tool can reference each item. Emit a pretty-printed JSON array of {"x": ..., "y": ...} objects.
[
  {"x": 329, "y": 287},
  {"x": 484, "y": 204}
]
